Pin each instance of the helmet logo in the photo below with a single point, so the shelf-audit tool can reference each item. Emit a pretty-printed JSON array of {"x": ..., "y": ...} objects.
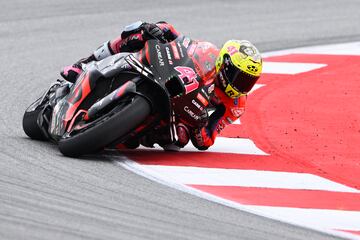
[
  {"x": 249, "y": 51},
  {"x": 230, "y": 93},
  {"x": 252, "y": 68},
  {"x": 232, "y": 50}
]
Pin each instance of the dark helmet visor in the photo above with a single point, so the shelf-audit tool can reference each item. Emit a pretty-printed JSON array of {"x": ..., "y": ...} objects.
[{"x": 240, "y": 80}]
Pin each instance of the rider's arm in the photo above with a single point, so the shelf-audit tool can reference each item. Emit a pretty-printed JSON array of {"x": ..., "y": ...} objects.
[
  {"x": 227, "y": 111},
  {"x": 134, "y": 36},
  {"x": 132, "y": 39}
]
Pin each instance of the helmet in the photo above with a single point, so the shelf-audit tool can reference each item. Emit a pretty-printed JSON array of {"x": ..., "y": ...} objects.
[{"x": 238, "y": 66}]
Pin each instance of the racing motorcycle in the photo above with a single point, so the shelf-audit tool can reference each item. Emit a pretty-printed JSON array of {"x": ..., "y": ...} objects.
[{"x": 122, "y": 99}]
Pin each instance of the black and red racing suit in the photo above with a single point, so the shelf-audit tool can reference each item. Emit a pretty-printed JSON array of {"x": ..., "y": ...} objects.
[{"x": 203, "y": 54}]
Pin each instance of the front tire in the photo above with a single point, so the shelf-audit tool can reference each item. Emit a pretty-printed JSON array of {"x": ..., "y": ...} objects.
[
  {"x": 31, "y": 126},
  {"x": 105, "y": 133}
]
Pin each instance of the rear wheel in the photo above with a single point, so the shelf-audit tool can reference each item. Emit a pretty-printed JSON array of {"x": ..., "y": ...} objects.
[{"x": 107, "y": 129}]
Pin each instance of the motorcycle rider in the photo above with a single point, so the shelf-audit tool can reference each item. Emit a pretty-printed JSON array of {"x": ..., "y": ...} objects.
[{"x": 234, "y": 69}]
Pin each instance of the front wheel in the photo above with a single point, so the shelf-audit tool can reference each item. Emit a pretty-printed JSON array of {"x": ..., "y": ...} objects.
[
  {"x": 32, "y": 120},
  {"x": 31, "y": 126},
  {"x": 108, "y": 130}
]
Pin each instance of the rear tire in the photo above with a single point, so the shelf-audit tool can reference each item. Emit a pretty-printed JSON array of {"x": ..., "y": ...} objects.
[
  {"x": 100, "y": 136},
  {"x": 31, "y": 127}
]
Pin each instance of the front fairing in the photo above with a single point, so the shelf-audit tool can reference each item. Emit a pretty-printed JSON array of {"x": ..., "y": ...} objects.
[
  {"x": 67, "y": 109},
  {"x": 57, "y": 126},
  {"x": 64, "y": 110}
]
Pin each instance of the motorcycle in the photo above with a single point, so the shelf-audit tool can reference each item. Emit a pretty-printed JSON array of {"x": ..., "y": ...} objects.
[{"x": 124, "y": 98}]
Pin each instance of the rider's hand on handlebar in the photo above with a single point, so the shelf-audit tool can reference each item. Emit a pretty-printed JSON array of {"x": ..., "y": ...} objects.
[
  {"x": 204, "y": 118},
  {"x": 152, "y": 31}
]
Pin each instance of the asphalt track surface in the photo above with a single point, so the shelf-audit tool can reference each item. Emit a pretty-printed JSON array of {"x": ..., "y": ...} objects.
[{"x": 44, "y": 195}]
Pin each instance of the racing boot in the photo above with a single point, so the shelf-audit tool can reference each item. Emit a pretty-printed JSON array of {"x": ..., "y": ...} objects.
[{"x": 71, "y": 73}]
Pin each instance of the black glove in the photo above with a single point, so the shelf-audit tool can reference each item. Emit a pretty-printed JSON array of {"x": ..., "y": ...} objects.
[
  {"x": 204, "y": 118},
  {"x": 197, "y": 138},
  {"x": 152, "y": 31}
]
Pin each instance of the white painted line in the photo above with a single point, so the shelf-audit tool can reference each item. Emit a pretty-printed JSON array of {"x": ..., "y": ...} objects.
[
  {"x": 232, "y": 145},
  {"x": 256, "y": 87},
  {"x": 289, "y": 68},
  {"x": 321, "y": 218},
  {"x": 154, "y": 176},
  {"x": 286, "y": 213},
  {"x": 352, "y": 48},
  {"x": 237, "y": 121},
  {"x": 224, "y": 145},
  {"x": 248, "y": 178}
]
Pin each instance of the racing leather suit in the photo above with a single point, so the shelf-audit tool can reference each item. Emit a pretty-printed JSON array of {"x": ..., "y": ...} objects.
[{"x": 204, "y": 55}]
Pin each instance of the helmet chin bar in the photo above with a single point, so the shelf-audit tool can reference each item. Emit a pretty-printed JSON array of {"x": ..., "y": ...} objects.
[{"x": 232, "y": 92}]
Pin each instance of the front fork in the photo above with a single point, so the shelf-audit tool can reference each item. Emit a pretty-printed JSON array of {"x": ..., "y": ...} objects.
[{"x": 47, "y": 101}]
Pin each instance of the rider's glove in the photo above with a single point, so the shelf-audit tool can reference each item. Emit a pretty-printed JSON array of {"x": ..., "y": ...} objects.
[
  {"x": 183, "y": 137},
  {"x": 152, "y": 31},
  {"x": 200, "y": 139},
  {"x": 204, "y": 118}
]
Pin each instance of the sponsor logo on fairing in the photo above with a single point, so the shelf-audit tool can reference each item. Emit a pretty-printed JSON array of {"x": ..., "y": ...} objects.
[
  {"x": 197, "y": 105},
  {"x": 180, "y": 50},
  {"x": 168, "y": 54},
  {"x": 202, "y": 99},
  {"x": 191, "y": 113},
  {"x": 175, "y": 50},
  {"x": 159, "y": 55}
]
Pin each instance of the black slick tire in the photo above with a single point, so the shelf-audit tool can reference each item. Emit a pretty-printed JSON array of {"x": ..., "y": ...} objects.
[{"x": 101, "y": 135}]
